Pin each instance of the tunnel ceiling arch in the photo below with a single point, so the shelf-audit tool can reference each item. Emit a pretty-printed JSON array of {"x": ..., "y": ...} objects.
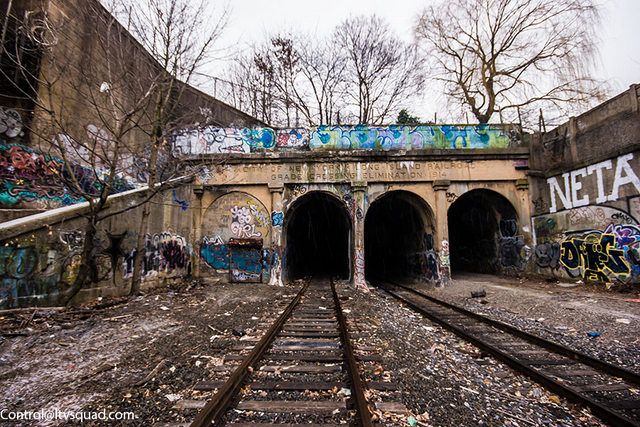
[
  {"x": 484, "y": 233},
  {"x": 317, "y": 233},
  {"x": 399, "y": 238}
]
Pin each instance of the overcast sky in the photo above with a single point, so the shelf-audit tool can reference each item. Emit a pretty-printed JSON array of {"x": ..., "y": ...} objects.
[{"x": 251, "y": 21}]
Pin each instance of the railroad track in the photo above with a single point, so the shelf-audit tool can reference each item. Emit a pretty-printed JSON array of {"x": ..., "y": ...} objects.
[
  {"x": 612, "y": 392},
  {"x": 303, "y": 370}
]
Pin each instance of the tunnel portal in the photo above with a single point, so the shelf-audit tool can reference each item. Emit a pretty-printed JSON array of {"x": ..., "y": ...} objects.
[
  {"x": 399, "y": 239},
  {"x": 317, "y": 233},
  {"x": 482, "y": 233}
]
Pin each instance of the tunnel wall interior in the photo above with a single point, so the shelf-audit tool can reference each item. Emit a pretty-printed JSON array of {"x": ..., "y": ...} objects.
[
  {"x": 483, "y": 234},
  {"x": 317, "y": 236},
  {"x": 398, "y": 236}
]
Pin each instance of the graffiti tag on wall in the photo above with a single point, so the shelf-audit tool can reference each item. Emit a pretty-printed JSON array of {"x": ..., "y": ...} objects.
[
  {"x": 10, "y": 122},
  {"x": 31, "y": 179},
  {"x": 164, "y": 253},
  {"x": 570, "y": 195},
  {"x": 211, "y": 140},
  {"x": 603, "y": 256},
  {"x": 407, "y": 137}
]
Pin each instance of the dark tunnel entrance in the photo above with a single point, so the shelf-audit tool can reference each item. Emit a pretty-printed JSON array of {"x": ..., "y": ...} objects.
[
  {"x": 483, "y": 232},
  {"x": 317, "y": 233},
  {"x": 398, "y": 239}
]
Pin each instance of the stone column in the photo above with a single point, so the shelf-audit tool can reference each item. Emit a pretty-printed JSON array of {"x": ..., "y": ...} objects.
[
  {"x": 359, "y": 192},
  {"x": 442, "y": 230},
  {"x": 277, "y": 221}
]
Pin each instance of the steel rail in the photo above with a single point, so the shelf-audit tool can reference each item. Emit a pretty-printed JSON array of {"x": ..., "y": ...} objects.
[
  {"x": 579, "y": 356},
  {"x": 605, "y": 413},
  {"x": 215, "y": 408},
  {"x": 363, "y": 415}
]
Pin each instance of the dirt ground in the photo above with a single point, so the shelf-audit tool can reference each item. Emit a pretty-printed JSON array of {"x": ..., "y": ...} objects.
[
  {"x": 94, "y": 359},
  {"x": 144, "y": 354}
]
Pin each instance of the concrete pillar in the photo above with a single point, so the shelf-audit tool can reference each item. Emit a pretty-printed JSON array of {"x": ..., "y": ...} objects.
[
  {"x": 442, "y": 230},
  {"x": 359, "y": 193},
  {"x": 277, "y": 222}
]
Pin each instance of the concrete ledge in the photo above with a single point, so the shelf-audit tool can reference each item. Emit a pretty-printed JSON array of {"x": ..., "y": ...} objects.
[{"x": 16, "y": 227}]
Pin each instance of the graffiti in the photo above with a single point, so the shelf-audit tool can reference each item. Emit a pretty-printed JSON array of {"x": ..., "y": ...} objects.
[
  {"x": 510, "y": 250},
  {"x": 164, "y": 253},
  {"x": 593, "y": 257},
  {"x": 611, "y": 255},
  {"x": 298, "y": 190},
  {"x": 39, "y": 274},
  {"x": 277, "y": 218},
  {"x": 293, "y": 138},
  {"x": 31, "y": 179},
  {"x": 539, "y": 205},
  {"x": 547, "y": 255},
  {"x": 236, "y": 215},
  {"x": 569, "y": 197},
  {"x": 245, "y": 264},
  {"x": 578, "y": 219},
  {"x": 445, "y": 263},
  {"x": 260, "y": 216},
  {"x": 276, "y": 269},
  {"x": 242, "y": 223},
  {"x": 508, "y": 227},
  {"x": 407, "y": 137},
  {"x": 215, "y": 253},
  {"x": 10, "y": 123},
  {"x": 428, "y": 260},
  {"x": 72, "y": 239},
  {"x": 451, "y": 197},
  {"x": 359, "y": 279},
  {"x": 359, "y": 214},
  {"x": 212, "y": 140},
  {"x": 184, "y": 205}
]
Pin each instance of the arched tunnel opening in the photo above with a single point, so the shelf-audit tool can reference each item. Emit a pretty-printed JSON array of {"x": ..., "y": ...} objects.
[
  {"x": 483, "y": 232},
  {"x": 398, "y": 239},
  {"x": 317, "y": 233}
]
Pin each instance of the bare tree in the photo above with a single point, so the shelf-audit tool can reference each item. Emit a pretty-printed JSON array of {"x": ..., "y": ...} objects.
[
  {"x": 97, "y": 82},
  {"x": 180, "y": 36},
  {"x": 361, "y": 72},
  {"x": 382, "y": 72},
  {"x": 500, "y": 56}
]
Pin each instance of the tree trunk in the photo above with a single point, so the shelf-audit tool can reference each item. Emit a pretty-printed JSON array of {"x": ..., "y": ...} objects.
[
  {"x": 87, "y": 263},
  {"x": 136, "y": 277}
]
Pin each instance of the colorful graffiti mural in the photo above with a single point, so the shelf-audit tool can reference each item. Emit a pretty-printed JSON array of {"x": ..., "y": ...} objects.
[
  {"x": 210, "y": 140},
  {"x": 277, "y": 218},
  {"x": 612, "y": 255},
  {"x": 215, "y": 253},
  {"x": 237, "y": 215},
  {"x": 164, "y": 253},
  {"x": 408, "y": 137},
  {"x": 31, "y": 179},
  {"x": 245, "y": 262},
  {"x": 293, "y": 138}
]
